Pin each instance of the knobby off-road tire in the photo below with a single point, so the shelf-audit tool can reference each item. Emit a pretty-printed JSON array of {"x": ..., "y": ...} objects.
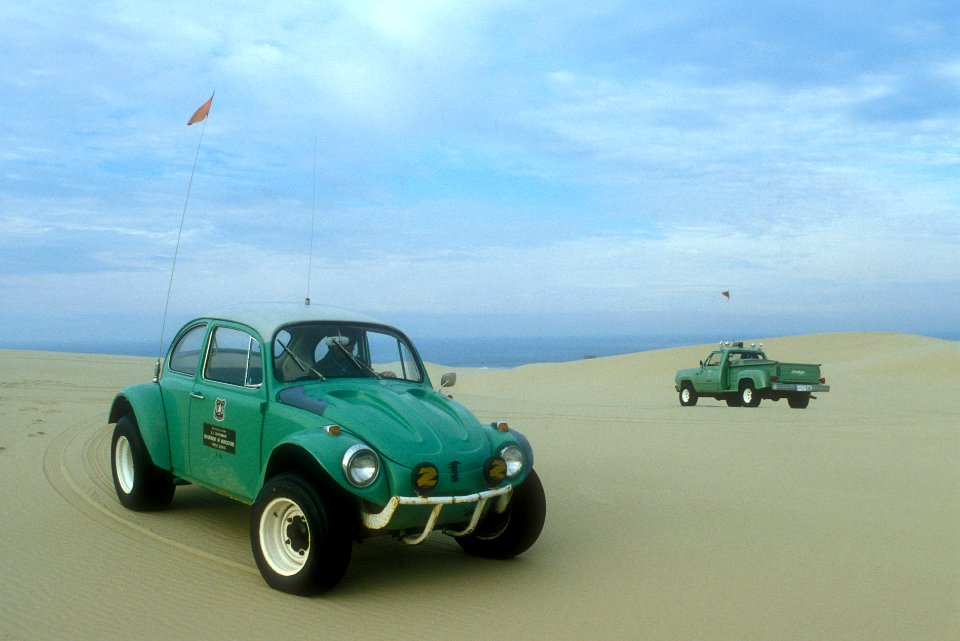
[
  {"x": 688, "y": 396},
  {"x": 140, "y": 484},
  {"x": 299, "y": 544},
  {"x": 749, "y": 396},
  {"x": 504, "y": 536}
]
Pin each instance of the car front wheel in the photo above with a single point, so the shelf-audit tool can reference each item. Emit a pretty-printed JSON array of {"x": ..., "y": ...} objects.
[
  {"x": 688, "y": 396},
  {"x": 297, "y": 542},
  {"x": 140, "y": 485},
  {"x": 504, "y": 536}
]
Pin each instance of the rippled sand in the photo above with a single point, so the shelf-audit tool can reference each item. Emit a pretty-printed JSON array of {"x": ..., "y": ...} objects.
[{"x": 840, "y": 521}]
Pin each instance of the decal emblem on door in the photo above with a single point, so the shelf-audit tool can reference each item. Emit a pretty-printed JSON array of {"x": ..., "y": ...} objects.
[{"x": 219, "y": 408}]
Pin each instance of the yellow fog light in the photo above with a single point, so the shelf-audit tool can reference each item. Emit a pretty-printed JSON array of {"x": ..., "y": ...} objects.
[
  {"x": 425, "y": 478},
  {"x": 495, "y": 470}
]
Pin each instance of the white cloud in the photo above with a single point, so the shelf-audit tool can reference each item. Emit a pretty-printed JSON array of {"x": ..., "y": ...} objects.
[{"x": 477, "y": 159}]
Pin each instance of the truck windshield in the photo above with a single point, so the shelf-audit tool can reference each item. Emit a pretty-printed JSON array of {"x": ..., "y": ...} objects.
[{"x": 342, "y": 350}]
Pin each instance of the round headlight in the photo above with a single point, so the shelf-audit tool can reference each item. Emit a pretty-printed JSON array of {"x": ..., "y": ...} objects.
[
  {"x": 513, "y": 457},
  {"x": 361, "y": 465}
]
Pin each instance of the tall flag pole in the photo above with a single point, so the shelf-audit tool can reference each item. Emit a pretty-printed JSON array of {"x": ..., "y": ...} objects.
[
  {"x": 313, "y": 218},
  {"x": 200, "y": 115}
]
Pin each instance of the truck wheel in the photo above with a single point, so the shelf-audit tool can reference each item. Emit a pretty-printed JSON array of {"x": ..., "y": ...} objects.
[
  {"x": 297, "y": 543},
  {"x": 748, "y": 395},
  {"x": 688, "y": 396},
  {"x": 799, "y": 402},
  {"x": 140, "y": 484},
  {"x": 504, "y": 536}
]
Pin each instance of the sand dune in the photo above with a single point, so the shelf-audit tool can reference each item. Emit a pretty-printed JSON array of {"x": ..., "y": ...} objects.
[{"x": 841, "y": 521}]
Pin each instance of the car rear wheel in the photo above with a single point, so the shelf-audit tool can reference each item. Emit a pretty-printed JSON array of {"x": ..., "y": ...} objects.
[
  {"x": 749, "y": 396},
  {"x": 799, "y": 402},
  {"x": 688, "y": 396},
  {"x": 504, "y": 536},
  {"x": 298, "y": 544},
  {"x": 140, "y": 484}
]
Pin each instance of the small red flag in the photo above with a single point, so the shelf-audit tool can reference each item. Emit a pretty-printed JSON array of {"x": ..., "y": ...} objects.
[
  {"x": 727, "y": 294},
  {"x": 201, "y": 113}
]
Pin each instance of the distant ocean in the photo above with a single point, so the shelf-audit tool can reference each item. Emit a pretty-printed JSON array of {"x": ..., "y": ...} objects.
[
  {"x": 462, "y": 352},
  {"x": 458, "y": 352},
  {"x": 515, "y": 351}
]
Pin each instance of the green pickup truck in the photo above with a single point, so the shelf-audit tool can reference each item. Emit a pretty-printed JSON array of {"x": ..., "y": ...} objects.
[{"x": 742, "y": 376}]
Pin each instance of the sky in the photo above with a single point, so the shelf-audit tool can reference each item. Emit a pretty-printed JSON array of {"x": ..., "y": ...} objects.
[{"x": 482, "y": 168}]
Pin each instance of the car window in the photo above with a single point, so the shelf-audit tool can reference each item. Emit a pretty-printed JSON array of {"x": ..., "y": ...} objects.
[
  {"x": 233, "y": 357},
  {"x": 186, "y": 355}
]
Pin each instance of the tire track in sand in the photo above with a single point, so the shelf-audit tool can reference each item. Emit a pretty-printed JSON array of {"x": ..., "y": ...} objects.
[{"x": 77, "y": 466}]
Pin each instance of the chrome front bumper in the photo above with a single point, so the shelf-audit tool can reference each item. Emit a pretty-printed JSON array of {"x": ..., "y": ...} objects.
[{"x": 380, "y": 520}]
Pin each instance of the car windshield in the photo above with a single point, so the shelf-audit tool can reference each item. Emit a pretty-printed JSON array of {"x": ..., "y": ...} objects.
[{"x": 322, "y": 351}]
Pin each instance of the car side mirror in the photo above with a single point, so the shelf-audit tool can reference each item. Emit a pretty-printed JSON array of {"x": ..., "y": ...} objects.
[
  {"x": 701, "y": 363},
  {"x": 448, "y": 380}
]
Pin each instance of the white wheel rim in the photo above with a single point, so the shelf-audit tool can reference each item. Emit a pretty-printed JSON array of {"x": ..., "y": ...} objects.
[
  {"x": 747, "y": 395},
  {"x": 284, "y": 536},
  {"x": 686, "y": 394},
  {"x": 123, "y": 462}
]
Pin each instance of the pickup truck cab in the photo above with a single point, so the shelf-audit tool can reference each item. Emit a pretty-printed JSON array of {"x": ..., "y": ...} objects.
[{"x": 742, "y": 376}]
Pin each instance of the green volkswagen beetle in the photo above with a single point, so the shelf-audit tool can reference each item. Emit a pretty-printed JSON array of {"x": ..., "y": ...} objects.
[{"x": 326, "y": 422}]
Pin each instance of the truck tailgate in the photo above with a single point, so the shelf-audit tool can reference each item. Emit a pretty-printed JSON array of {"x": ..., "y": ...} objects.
[{"x": 798, "y": 373}]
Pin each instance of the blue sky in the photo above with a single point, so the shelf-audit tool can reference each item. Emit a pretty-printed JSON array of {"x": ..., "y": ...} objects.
[{"x": 484, "y": 167}]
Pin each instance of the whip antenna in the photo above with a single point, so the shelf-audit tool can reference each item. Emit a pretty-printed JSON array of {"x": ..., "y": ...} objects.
[
  {"x": 200, "y": 115},
  {"x": 313, "y": 218}
]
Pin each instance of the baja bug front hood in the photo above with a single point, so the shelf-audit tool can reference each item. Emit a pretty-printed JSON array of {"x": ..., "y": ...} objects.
[{"x": 405, "y": 422}]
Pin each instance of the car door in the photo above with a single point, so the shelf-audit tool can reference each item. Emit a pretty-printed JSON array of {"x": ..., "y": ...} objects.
[
  {"x": 177, "y": 384},
  {"x": 710, "y": 374},
  {"x": 226, "y": 413}
]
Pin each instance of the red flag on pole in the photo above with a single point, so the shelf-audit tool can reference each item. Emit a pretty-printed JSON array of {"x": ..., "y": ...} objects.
[
  {"x": 201, "y": 113},
  {"x": 726, "y": 293}
]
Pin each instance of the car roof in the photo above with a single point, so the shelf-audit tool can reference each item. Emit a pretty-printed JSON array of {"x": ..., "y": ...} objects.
[{"x": 267, "y": 318}]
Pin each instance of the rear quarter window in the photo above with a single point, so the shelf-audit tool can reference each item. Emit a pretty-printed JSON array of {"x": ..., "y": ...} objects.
[{"x": 186, "y": 354}]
